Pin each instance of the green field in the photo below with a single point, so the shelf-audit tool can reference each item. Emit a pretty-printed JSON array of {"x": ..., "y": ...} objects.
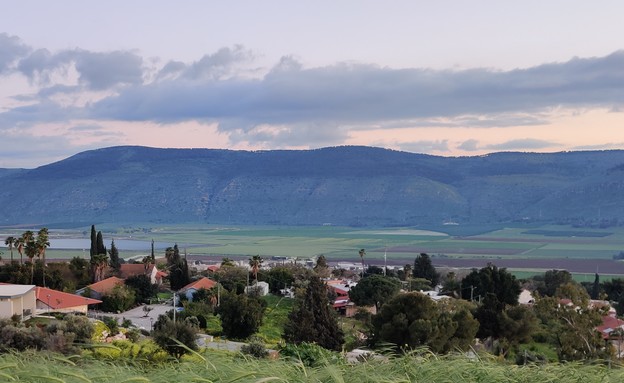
[{"x": 401, "y": 245}]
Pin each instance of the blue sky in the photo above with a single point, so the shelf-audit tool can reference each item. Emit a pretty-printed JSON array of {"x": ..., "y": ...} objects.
[{"x": 444, "y": 78}]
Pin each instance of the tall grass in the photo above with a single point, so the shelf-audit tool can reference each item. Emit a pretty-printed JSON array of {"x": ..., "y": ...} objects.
[{"x": 223, "y": 367}]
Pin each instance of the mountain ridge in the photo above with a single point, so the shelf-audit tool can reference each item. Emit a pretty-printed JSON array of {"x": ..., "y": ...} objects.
[{"x": 345, "y": 185}]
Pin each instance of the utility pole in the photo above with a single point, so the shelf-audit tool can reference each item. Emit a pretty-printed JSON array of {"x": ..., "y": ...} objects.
[
  {"x": 385, "y": 260},
  {"x": 174, "y": 307}
]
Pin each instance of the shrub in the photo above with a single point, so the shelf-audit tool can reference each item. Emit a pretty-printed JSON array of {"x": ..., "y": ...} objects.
[
  {"x": 255, "y": 348},
  {"x": 310, "y": 354},
  {"x": 168, "y": 335},
  {"x": 112, "y": 324}
]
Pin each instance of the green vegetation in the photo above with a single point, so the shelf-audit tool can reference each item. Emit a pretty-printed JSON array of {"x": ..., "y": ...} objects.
[
  {"x": 213, "y": 366},
  {"x": 275, "y": 317}
]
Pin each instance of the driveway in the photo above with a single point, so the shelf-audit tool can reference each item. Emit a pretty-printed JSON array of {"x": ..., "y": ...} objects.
[{"x": 137, "y": 315}]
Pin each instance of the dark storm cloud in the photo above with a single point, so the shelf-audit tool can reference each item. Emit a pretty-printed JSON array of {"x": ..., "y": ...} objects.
[{"x": 522, "y": 144}]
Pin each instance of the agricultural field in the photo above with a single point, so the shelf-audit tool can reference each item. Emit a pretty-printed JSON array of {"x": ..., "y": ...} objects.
[{"x": 519, "y": 248}]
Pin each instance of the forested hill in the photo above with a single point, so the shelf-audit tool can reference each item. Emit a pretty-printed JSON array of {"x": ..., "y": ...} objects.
[{"x": 341, "y": 186}]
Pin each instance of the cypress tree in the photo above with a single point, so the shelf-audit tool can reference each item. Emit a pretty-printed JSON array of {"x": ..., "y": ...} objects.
[
  {"x": 101, "y": 249},
  {"x": 313, "y": 319},
  {"x": 113, "y": 255},
  {"x": 93, "y": 250}
]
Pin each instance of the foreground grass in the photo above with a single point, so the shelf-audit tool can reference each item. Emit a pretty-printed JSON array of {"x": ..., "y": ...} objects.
[{"x": 222, "y": 367}]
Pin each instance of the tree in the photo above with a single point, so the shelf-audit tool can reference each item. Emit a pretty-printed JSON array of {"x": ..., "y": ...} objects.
[
  {"x": 120, "y": 299},
  {"x": 227, "y": 262},
  {"x": 113, "y": 256},
  {"x": 98, "y": 264},
  {"x": 20, "y": 248},
  {"x": 178, "y": 268},
  {"x": 80, "y": 269},
  {"x": 423, "y": 268},
  {"x": 595, "y": 293},
  {"x": 572, "y": 327},
  {"x": 10, "y": 242},
  {"x": 491, "y": 280},
  {"x": 42, "y": 243},
  {"x": 374, "y": 290},
  {"x": 552, "y": 280},
  {"x": 152, "y": 255},
  {"x": 101, "y": 249},
  {"x": 413, "y": 320},
  {"x": 321, "y": 267},
  {"x": 255, "y": 263},
  {"x": 176, "y": 338},
  {"x": 30, "y": 248},
  {"x": 313, "y": 319},
  {"x": 241, "y": 315},
  {"x": 93, "y": 251},
  {"x": 142, "y": 286},
  {"x": 279, "y": 278},
  {"x": 362, "y": 253}
]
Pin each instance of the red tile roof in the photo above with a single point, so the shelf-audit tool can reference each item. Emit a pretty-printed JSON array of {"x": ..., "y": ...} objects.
[
  {"x": 609, "y": 324},
  {"x": 131, "y": 269},
  {"x": 203, "y": 283},
  {"x": 106, "y": 285},
  {"x": 60, "y": 300}
]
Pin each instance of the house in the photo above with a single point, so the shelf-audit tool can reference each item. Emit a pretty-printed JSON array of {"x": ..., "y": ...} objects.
[
  {"x": 526, "y": 298},
  {"x": 261, "y": 288},
  {"x": 133, "y": 269},
  {"x": 49, "y": 300},
  {"x": 193, "y": 287},
  {"x": 17, "y": 300},
  {"x": 101, "y": 288}
]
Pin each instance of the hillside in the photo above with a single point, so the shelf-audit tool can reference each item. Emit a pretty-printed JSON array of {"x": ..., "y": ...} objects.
[{"x": 359, "y": 186}]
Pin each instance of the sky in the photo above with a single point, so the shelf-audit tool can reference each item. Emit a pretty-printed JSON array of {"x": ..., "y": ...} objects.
[{"x": 450, "y": 78}]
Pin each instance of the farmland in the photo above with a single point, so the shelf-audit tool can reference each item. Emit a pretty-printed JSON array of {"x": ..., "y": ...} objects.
[{"x": 519, "y": 248}]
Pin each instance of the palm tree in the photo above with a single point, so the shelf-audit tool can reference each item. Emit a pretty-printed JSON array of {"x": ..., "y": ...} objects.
[
  {"x": 362, "y": 253},
  {"x": 31, "y": 251},
  {"x": 42, "y": 244},
  {"x": 98, "y": 265},
  {"x": 255, "y": 262},
  {"x": 19, "y": 245},
  {"x": 10, "y": 242}
]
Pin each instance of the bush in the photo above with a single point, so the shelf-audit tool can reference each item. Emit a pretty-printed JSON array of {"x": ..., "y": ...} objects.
[
  {"x": 310, "y": 354},
  {"x": 255, "y": 348},
  {"x": 167, "y": 334},
  {"x": 112, "y": 324}
]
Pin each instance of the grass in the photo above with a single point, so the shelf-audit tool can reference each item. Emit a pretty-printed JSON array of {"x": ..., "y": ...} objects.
[
  {"x": 213, "y": 366},
  {"x": 275, "y": 317}
]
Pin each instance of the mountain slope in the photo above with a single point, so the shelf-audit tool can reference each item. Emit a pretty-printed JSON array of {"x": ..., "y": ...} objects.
[{"x": 341, "y": 185}]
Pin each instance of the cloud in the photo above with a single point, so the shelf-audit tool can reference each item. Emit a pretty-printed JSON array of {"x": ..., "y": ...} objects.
[
  {"x": 522, "y": 144},
  {"x": 104, "y": 70},
  {"x": 95, "y": 70},
  {"x": 425, "y": 146},
  {"x": 348, "y": 93},
  {"x": 11, "y": 49},
  {"x": 606, "y": 146},
  {"x": 469, "y": 145}
]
